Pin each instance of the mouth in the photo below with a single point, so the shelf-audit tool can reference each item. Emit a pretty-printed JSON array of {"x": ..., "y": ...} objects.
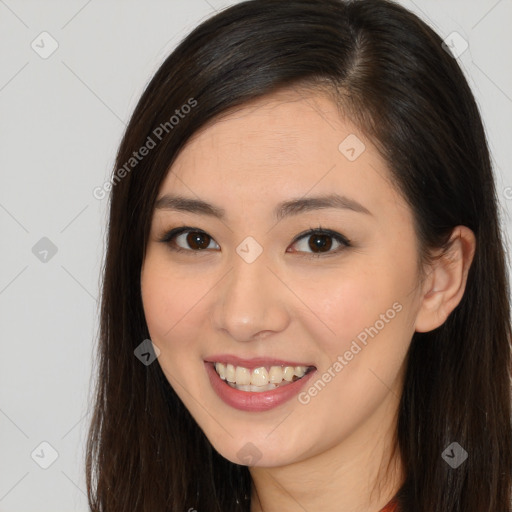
[{"x": 260, "y": 378}]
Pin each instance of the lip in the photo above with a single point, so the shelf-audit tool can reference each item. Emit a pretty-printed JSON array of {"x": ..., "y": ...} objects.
[
  {"x": 252, "y": 401},
  {"x": 255, "y": 362}
]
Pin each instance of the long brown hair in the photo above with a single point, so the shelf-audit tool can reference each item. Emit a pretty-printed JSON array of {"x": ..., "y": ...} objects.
[{"x": 389, "y": 72}]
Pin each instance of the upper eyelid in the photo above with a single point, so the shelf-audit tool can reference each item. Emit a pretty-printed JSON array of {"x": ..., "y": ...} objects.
[{"x": 325, "y": 231}]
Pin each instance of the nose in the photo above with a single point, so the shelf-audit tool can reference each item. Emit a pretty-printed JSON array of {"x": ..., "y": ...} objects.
[{"x": 250, "y": 302}]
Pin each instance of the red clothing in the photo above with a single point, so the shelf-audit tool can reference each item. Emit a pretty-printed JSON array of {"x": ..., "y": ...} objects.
[{"x": 392, "y": 506}]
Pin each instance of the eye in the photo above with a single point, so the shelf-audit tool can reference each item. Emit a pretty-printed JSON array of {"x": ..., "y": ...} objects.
[
  {"x": 319, "y": 239},
  {"x": 196, "y": 239}
]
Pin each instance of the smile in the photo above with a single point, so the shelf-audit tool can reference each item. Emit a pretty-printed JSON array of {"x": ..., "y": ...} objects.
[
  {"x": 256, "y": 385},
  {"x": 263, "y": 378}
]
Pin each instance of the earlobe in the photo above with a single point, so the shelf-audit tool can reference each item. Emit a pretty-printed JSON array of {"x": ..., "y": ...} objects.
[{"x": 445, "y": 285}]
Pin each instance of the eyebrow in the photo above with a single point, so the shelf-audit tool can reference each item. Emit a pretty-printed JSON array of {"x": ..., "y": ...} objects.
[{"x": 282, "y": 210}]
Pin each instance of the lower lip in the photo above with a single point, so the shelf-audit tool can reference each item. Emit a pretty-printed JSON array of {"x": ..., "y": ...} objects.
[{"x": 252, "y": 400}]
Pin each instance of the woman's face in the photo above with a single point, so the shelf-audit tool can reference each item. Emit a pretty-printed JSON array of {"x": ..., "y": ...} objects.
[{"x": 250, "y": 288}]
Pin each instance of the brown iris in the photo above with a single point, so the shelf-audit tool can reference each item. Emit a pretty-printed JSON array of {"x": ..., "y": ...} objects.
[
  {"x": 320, "y": 242},
  {"x": 198, "y": 241}
]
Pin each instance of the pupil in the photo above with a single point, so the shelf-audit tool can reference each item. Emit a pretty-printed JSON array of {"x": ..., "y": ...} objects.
[
  {"x": 320, "y": 242},
  {"x": 195, "y": 238}
]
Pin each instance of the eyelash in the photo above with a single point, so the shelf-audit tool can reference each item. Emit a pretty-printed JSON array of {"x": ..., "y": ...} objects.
[{"x": 169, "y": 239}]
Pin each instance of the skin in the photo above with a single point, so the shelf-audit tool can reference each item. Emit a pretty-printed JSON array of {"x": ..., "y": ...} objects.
[{"x": 335, "y": 452}]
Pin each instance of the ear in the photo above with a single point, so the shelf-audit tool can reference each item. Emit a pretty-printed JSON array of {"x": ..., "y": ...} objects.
[{"x": 444, "y": 287}]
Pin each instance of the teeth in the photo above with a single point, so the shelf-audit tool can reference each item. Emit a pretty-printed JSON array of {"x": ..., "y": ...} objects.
[
  {"x": 275, "y": 374},
  {"x": 221, "y": 370},
  {"x": 230, "y": 373},
  {"x": 259, "y": 379},
  {"x": 250, "y": 387},
  {"x": 242, "y": 376},
  {"x": 288, "y": 373},
  {"x": 299, "y": 371}
]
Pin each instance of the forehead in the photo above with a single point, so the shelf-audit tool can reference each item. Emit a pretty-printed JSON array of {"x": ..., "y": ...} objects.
[
  {"x": 287, "y": 144},
  {"x": 278, "y": 130}
]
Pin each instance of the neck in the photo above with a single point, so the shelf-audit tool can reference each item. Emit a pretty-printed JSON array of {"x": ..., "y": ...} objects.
[{"x": 362, "y": 473}]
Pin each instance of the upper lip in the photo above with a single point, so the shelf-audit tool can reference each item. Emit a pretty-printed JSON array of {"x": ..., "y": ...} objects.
[{"x": 254, "y": 362}]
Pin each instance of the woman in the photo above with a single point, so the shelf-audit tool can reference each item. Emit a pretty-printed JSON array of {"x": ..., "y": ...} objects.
[{"x": 304, "y": 223}]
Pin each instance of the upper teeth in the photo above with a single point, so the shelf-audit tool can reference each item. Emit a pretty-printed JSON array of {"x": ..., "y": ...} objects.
[{"x": 258, "y": 376}]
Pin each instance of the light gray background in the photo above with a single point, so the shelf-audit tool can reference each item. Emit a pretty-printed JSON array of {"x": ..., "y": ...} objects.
[{"x": 61, "y": 120}]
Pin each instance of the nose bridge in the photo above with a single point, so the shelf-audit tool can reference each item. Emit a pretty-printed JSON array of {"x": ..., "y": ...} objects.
[{"x": 250, "y": 298}]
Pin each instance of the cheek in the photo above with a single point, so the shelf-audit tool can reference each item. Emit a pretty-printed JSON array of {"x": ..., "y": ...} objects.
[
  {"x": 362, "y": 353},
  {"x": 370, "y": 305},
  {"x": 347, "y": 302},
  {"x": 158, "y": 303},
  {"x": 170, "y": 309},
  {"x": 168, "y": 299}
]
